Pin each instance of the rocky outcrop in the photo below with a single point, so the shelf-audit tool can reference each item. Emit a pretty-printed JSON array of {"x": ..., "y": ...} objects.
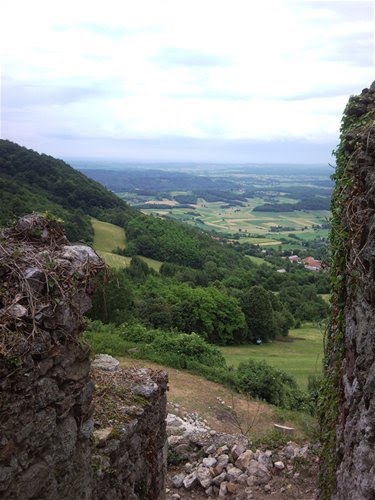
[
  {"x": 350, "y": 352},
  {"x": 62, "y": 438}
]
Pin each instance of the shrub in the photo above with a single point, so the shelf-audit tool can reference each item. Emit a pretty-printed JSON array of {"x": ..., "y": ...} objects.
[
  {"x": 136, "y": 332},
  {"x": 190, "y": 346},
  {"x": 260, "y": 380},
  {"x": 106, "y": 339}
]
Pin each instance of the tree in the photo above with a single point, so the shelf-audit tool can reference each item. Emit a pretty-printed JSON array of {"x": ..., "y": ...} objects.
[
  {"x": 113, "y": 300},
  {"x": 258, "y": 311}
]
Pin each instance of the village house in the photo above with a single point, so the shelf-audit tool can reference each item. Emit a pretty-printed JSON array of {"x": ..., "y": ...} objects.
[
  {"x": 294, "y": 258},
  {"x": 311, "y": 264}
]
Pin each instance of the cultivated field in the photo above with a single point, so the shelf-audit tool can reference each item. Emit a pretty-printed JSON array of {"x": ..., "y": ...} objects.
[
  {"x": 252, "y": 227},
  {"x": 300, "y": 357}
]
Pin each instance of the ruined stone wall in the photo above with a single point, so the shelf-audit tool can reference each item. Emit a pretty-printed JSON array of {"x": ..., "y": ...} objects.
[
  {"x": 350, "y": 352},
  {"x": 51, "y": 446},
  {"x": 129, "y": 458}
]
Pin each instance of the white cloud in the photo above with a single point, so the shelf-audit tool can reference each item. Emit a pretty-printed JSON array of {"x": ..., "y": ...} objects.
[{"x": 202, "y": 69}]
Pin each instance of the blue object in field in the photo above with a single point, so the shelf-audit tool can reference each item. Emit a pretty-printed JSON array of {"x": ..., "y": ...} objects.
[{"x": 258, "y": 341}]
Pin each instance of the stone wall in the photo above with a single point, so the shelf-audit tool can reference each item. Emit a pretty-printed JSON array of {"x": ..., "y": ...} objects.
[
  {"x": 58, "y": 440},
  {"x": 129, "y": 459},
  {"x": 355, "y": 200},
  {"x": 356, "y": 428}
]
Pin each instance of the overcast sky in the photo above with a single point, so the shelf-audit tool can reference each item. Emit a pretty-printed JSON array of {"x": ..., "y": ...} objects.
[{"x": 207, "y": 80}]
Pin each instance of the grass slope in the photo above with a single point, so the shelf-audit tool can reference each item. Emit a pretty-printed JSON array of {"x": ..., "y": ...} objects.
[
  {"x": 108, "y": 237},
  {"x": 301, "y": 357},
  {"x": 196, "y": 394}
]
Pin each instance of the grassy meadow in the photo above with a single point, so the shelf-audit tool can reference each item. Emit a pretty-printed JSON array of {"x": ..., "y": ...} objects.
[
  {"x": 301, "y": 356},
  {"x": 108, "y": 237}
]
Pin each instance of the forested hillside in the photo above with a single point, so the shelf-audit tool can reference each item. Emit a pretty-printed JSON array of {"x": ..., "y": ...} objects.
[{"x": 31, "y": 181}]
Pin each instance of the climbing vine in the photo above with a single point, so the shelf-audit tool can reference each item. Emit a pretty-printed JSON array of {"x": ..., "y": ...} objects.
[{"x": 352, "y": 126}]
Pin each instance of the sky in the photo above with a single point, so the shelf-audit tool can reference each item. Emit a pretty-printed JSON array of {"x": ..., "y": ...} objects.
[{"x": 183, "y": 80}]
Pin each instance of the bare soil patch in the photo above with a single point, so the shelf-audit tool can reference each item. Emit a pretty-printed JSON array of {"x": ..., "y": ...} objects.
[{"x": 215, "y": 403}]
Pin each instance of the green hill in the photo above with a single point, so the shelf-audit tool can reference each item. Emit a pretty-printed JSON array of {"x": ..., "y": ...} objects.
[{"x": 30, "y": 181}]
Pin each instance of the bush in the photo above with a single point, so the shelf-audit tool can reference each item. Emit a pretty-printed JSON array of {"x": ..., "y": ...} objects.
[
  {"x": 260, "y": 380},
  {"x": 136, "y": 332},
  {"x": 190, "y": 346},
  {"x": 106, "y": 339},
  {"x": 166, "y": 347}
]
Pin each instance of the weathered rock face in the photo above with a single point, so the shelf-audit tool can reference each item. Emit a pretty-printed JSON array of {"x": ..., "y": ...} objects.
[
  {"x": 46, "y": 390},
  {"x": 129, "y": 455},
  {"x": 48, "y": 448},
  {"x": 355, "y": 427}
]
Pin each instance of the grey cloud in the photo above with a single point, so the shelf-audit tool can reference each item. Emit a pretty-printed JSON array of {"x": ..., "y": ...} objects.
[
  {"x": 356, "y": 49},
  {"x": 17, "y": 94},
  {"x": 188, "y": 57},
  {"x": 189, "y": 149}
]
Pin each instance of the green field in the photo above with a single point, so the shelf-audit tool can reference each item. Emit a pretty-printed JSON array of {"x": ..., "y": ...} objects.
[
  {"x": 108, "y": 237},
  {"x": 113, "y": 260},
  {"x": 258, "y": 260},
  {"x": 300, "y": 358}
]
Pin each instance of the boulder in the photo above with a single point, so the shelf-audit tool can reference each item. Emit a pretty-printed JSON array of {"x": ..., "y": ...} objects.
[
  {"x": 219, "y": 479},
  {"x": 243, "y": 461},
  {"x": 258, "y": 474},
  {"x": 209, "y": 462},
  {"x": 105, "y": 362},
  {"x": 222, "y": 449},
  {"x": 265, "y": 458},
  {"x": 223, "y": 489},
  {"x": 237, "y": 450},
  {"x": 232, "y": 487},
  {"x": 223, "y": 460},
  {"x": 191, "y": 480},
  {"x": 178, "y": 480},
  {"x": 279, "y": 465},
  {"x": 233, "y": 474},
  {"x": 204, "y": 476}
]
